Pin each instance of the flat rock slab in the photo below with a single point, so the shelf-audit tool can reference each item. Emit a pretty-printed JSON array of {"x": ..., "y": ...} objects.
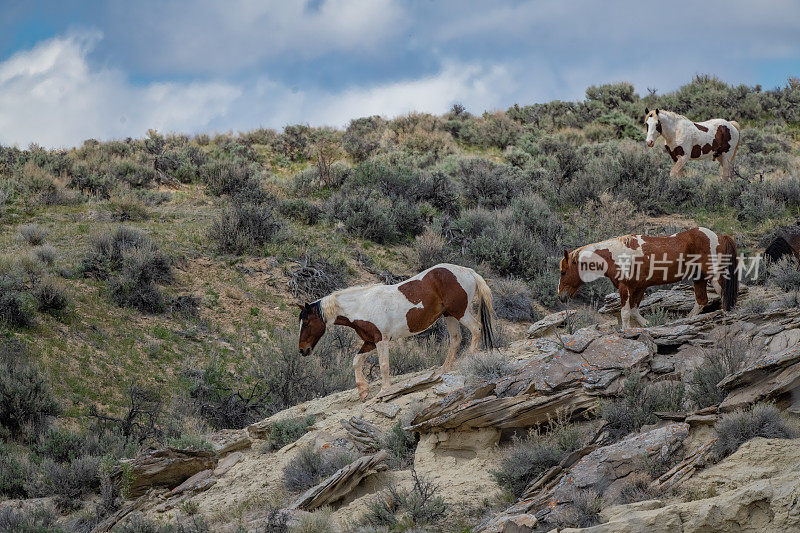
[
  {"x": 227, "y": 463},
  {"x": 548, "y": 324},
  {"x": 769, "y": 378},
  {"x": 389, "y": 410},
  {"x": 407, "y": 386},
  {"x": 166, "y": 468},
  {"x": 197, "y": 483},
  {"x": 340, "y": 484},
  {"x": 229, "y": 440}
]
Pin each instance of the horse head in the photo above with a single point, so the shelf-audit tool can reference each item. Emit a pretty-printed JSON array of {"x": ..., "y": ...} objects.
[
  {"x": 312, "y": 326},
  {"x": 570, "y": 280},
  {"x": 653, "y": 124}
]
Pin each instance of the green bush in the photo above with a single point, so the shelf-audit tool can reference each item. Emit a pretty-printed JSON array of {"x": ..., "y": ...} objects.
[
  {"x": 51, "y": 297},
  {"x": 33, "y": 234},
  {"x": 246, "y": 228},
  {"x": 300, "y": 210},
  {"x": 485, "y": 366},
  {"x": 310, "y": 467},
  {"x": 785, "y": 274},
  {"x": 718, "y": 363},
  {"x": 529, "y": 458},
  {"x": 287, "y": 431},
  {"x": 512, "y": 300},
  {"x": 402, "y": 510},
  {"x": 487, "y": 184},
  {"x": 400, "y": 444},
  {"x": 639, "y": 403},
  {"x": 736, "y": 428},
  {"x": 371, "y": 215}
]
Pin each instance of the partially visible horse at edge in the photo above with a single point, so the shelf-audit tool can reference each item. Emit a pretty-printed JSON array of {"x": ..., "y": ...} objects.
[
  {"x": 716, "y": 139},
  {"x": 383, "y": 313},
  {"x": 635, "y": 262}
]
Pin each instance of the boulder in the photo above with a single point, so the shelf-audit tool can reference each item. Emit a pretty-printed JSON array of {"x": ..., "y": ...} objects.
[
  {"x": 679, "y": 299},
  {"x": 407, "y": 386},
  {"x": 165, "y": 468},
  {"x": 389, "y": 410},
  {"x": 229, "y": 440}
]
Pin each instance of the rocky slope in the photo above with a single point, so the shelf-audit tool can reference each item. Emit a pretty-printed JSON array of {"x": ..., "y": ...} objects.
[{"x": 464, "y": 429}]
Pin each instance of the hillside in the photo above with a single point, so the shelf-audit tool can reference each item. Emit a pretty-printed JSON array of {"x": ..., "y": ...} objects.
[{"x": 149, "y": 285}]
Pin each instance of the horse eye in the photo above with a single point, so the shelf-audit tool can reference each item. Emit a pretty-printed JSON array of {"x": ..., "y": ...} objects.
[{"x": 563, "y": 272}]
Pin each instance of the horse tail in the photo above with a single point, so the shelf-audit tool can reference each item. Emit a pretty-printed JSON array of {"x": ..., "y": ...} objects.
[
  {"x": 730, "y": 279},
  {"x": 485, "y": 310},
  {"x": 739, "y": 131}
]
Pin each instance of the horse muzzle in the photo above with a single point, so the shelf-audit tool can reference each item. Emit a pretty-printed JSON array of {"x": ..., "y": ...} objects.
[
  {"x": 563, "y": 295},
  {"x": 650, "y": 143},
  {"x": 305, "y": 352}
]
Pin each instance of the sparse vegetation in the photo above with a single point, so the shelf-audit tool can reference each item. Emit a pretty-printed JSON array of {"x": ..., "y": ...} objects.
[
  {"x": 309, "y": 467},
  {"x": 639, "y": 403},
  {"x": 719, "y": 362},
  {"x": 762, "y": 420},
  {"x": 400, "y": 509},
  {"x": 530, "y": 457}
]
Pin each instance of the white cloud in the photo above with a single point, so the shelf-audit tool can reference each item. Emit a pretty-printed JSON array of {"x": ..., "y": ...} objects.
[
  {"x": 52, "y": 96},
  {"x": 212, "y": 36}
]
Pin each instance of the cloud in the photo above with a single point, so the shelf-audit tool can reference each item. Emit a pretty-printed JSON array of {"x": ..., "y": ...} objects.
[
  {"x": 210, "y": 36},
  {"x": 52, "y": 96}
]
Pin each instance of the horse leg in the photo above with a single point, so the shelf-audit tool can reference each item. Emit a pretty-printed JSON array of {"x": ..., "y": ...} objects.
[
  {"x": 677, "y": 168},
  {"x": 383, "y": 359},
  {"x": 358, "y": 365},
  {"x": 700, "y": 296},
  {"x": 724, "y": 167},
  {"x": 474, "y": 328},
  {"x": 454, "y": 332},
  {"x": 625, "y": 309},
  {"x": 637, "y": 296}
]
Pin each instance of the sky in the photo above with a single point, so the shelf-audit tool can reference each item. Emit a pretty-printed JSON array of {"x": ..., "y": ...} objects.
[{"x": 72, "y": 70}]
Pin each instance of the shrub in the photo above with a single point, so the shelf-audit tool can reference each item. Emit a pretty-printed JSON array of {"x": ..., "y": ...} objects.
[
  {"x": 33, "y": 234},
  {"x": 639, "y": 403},
  {"x": 108, "y": 249},
  {"x": 14, "y": 478},
  {"x": 141, "y": 268},
  {"x": 287, "y": 431},
  {"x": 17, "y": 308},
  {"x": 220, "y": 400},
  {"x": 60, "y": 445},
  {"x": 400, "y": 444},
  {"x": 431, "y": 249},
  {"x": 46, "y": 254},
  {"x": 315, "y": 277},
  {"x": 785, "y": 273},
  {"x": 581, "y": 509},
  {"x": 371, "y": 215},
  {"x": 25, "y": 397},
  {"x": 233, "y": 177},
  {"x": 246, "y": 227},
  {"x": 51, "y": 297},
  {"x": 762, "y": 420},
  {"x": 190, "y": 442},
  {"x": 512, "y": 300},
  {"x": 72, "y": 480},
  {"x": 362, "y": 138},
  {"x": 529, "y": 458},
  {"x": 310, "y": 467},
  {"x": 485, "y": 366},
  {"x": 718, "y": 363},
  {"x": 300, "y": 210},
  {"x": 138, "y": 523},
  {"x": 487, "y": 184},
  {"x": 414, "y": 508},
  {"x": 39, "y": 520}
]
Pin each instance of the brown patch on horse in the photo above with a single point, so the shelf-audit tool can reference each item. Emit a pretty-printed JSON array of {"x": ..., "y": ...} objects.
[
  {"x": 439, "y": 292},
  {"x": 658, "y": 126},
  {"x": 365, "y": 329},
  {"x": 696, "y": 151},
  {"x": 706, "y": 148},
  {"x": 676, "y": 153},
  {"x": 630, "y": 241},
  {"x": 700, "y": 127},
  {"x": 722, "y": 141}
]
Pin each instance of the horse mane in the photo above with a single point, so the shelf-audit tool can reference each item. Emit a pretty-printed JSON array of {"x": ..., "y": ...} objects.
[{"x": 329, "y": 306}]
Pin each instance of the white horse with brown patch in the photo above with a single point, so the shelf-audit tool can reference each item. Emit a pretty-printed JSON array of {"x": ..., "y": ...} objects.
[
  {"x": 383, "y": 313},
  {"x": 716, "y": 139},
  {"x": 635, "y": 262}
]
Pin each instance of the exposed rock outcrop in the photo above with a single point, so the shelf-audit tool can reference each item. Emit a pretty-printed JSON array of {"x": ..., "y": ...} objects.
[{"x": 166, "y": 468}]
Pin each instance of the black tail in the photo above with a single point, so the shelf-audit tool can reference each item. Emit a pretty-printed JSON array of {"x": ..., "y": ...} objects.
[
  {"x": 730, "y": 279},
  {"x": 487, "y": 335}
]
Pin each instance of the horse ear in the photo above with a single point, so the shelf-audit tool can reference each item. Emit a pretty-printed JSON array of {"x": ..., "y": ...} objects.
[
  {"x": 656, "y": 111},
  {"x": 300, "y": 306},
  {"x": 646, "y": 110},
  {"x": 566, "y": 254}
]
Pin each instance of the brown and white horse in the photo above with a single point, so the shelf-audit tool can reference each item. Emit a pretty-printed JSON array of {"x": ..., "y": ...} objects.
[
  {"x": 635, "y": 262},
  {"x": 382, "y": 313},
  {"x": 715, "y": 139}
]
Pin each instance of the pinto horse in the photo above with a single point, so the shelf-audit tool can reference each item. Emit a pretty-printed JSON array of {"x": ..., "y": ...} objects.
[
  {"x": 382, "y": 313},
  {"x": 635, "y": 262},
  {"x": 714, "y": 139}
]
